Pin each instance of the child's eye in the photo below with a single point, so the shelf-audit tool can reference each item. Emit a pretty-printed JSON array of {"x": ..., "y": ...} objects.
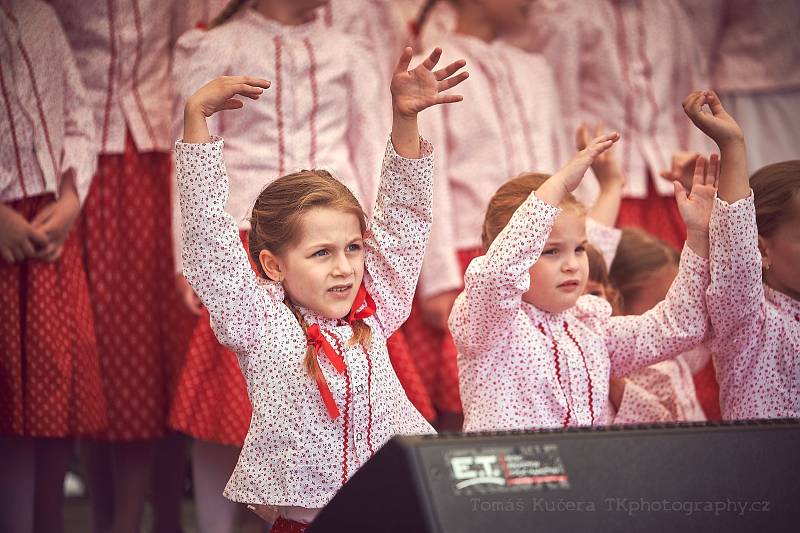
[
  {"x": 354, "y": 247},
  {"x": 550, "y": 251},
  {"x": 320, "y": 253},
  {"x": 580, "y": 249},
  {"x": 594, "y": 293}
]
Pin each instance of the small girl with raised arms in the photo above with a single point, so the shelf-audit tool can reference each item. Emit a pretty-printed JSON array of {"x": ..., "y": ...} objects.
[
  {"x": 754, "y": 295},
  {"x": 310, "y": 334},
  {"x": 534, "y": 352}
]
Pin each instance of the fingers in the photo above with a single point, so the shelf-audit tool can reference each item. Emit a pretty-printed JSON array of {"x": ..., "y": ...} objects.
[
  {"x": 714, "y": 103},
  {"x": 582, "y": 137},
  {"x": 42, "y": 216},
  {"x": 404, "y": 61},
  {"x": 712, "y": 175},
  {"x": 7, "y": 255},
  {"x": 449, "y": 70},
  {"x": 37, "y": 237},
  {"x": 432, "y": 59},
  {"x": 449, "y": 98},
  {"x": 699, "y": 177},
  {"x": 452, "y": 82},
  {"x": 248, "y": 90},
  {"x": 53, "y": 253},
  {"x": 598, "y": 129},
  {"x": 249, "y": 81},
  {"x": 693, "y": 104},
  {"x": 680, "y": 193},
  {"x": 233, "y": 103}
]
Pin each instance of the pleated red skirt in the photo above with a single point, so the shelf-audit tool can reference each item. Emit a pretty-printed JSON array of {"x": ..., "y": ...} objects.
[
  {"x": 141, "y": 328},
  {"x": 50, "y": 382}
]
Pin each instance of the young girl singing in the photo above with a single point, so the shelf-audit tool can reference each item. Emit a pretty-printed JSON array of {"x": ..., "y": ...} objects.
[
  {"x": 310, "y": 334},
  {"x": 533, "y": 352},
  {"x": 754, "y": 295}
]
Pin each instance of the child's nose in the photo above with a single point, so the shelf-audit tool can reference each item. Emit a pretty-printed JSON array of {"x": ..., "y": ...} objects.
[{"x": 342, "y": 266}]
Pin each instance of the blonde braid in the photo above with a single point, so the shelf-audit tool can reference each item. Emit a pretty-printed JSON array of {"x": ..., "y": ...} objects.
[{"x": 309, "y": 361}]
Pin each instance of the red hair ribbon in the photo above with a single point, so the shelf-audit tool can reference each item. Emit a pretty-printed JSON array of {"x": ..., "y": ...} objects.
[
  {"x": 319, "y": 342},
  {"x": 362, "y": 296}
]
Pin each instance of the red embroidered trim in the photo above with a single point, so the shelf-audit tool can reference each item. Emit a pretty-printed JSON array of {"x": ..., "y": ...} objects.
[
  {"x": 624, "y": 63},
  {"x": 312, "y": 122},
  {"x": 523, "y": 116},
  {"x": 112, "y": 60},
  {"x": 278, "y": 104},
  {"x": 13, "y": 131},
  {"x": 585, "y": 367},
  {"x": 558, "y": 374},
  {"x": 346, "y": 418},
  {"x": 369, "y": 401},
  {"x": 498, "y": 109},
  {"x": 137, "y": 17}
]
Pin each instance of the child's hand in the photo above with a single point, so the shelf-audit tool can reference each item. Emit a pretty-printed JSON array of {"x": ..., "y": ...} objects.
[
  {"x": 718, "y": 124},
  {"x": 570, "y": 175},
  {"x": 606, "y": 166},
  {"x": 218, "y": 94},
  {"x": 418, "y": 89},
  {"x": 187, "y": 295},
  {"x": 696, "y": 206},
  {"x": 55, "y": 220},
  {"x": 19, "y": 240},
  {"x": 682, "y": 169}
]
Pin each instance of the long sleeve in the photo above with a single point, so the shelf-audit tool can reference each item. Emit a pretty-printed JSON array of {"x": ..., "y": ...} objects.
[
  {"x": 81, "y": 145},
  {"x": 441, "y": 270},
  {"x": 214, "y": 261},
  {"x": 675, "y": 325},
  {"x": 399, "y": 232},
  {"x": 194, "y": 65},
  {"x": 639, "y": 405},
  {"x": 604, "y": 238},
  {"x": 735, "y": 296},
  {"x": 494, "y": 284}
]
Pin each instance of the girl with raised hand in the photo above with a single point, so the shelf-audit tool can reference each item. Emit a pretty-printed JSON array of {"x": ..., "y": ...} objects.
[
  {"x": 324, "y": 114},
  {"x": 517, "y": 108},
  {"x": 754, "y": 295},
  {"x": 533, "y": 352},
  {"x": 310, "y": 332}
]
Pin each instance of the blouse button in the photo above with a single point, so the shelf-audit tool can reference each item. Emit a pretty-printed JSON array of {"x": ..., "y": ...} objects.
[{"x": 358, "y": 436}]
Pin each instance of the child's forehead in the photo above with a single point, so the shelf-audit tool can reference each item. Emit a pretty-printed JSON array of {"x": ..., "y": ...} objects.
[
  {"x": 569, "y": 226},
  {"x": 324, "y": 223}
]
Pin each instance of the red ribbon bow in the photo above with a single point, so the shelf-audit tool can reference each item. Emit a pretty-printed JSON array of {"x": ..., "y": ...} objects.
[
  {"x": 319, "y": 342},
  {"x": 362, "y": 296}
]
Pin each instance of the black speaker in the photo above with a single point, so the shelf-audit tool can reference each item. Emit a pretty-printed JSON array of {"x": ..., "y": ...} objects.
[{"x": 739, "y": 476}]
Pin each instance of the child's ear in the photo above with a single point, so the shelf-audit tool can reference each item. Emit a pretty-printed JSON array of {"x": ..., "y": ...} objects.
[
  {"x": 763, "y": 247},
  {"x": 271, "y": 264}
]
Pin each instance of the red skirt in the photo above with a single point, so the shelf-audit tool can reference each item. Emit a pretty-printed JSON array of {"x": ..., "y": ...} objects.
[
  {"x": 656, "y": 214},
  {"x": 282, "y": 525},
  {"x": 49, "y": 371},
  {"x": 129, "y": 264},
  {"x": 435, "y": 354}
]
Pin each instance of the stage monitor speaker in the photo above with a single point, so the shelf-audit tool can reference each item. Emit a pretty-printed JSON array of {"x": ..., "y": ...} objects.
[{"x": 706, "y": 477}]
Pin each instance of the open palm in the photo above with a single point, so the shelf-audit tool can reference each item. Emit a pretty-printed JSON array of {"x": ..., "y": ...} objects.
[
  {"x": 696, "y": 205},
  {"x": 422, "y": 87}
]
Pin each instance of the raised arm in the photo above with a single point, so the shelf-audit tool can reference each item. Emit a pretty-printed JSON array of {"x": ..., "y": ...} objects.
[
  {"x": 402, "y": 217},
  {"x": 680, "y": 322},
  {"x": 214, "y": 261},
  {"x": 735, "y": 296},
  {"x": 610, "y": 178},
  {"x": 494, "y": 284}
]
